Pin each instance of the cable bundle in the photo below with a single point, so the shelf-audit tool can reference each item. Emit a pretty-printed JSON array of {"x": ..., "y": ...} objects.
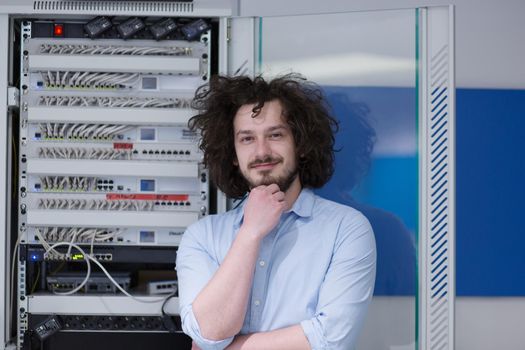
[
  {"x": 72, "y": 183},
  {"x": 89, "y": 80},
  {"x": 95, "y": 204},
  {"x": 76, "y": 234},
  {"x": 84, "y": 153},
  {"x": 82, "y": 131},
  {"x": 75, "y": 49},
  {"x": 110, "y": 102}
]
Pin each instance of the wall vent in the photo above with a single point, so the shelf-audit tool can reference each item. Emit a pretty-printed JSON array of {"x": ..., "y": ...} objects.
[{"x": 111, "y": 7}]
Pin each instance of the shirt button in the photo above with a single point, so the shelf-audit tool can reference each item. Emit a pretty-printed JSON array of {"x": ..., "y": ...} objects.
[
  {"x": 262, "y": 263},
  {"x": 257, "y": 302}
]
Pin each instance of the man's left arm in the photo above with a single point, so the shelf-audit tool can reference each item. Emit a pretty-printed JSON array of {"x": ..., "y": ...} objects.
[
  {"x": 289, "y": 338},
  {"x": 343, "y": 299}
]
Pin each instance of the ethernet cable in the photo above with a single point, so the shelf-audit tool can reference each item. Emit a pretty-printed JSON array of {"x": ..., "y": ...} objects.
[
  {"x": 88, "y": 266},
  {"x": 63, "y": 81},
  {"x": 89, "y": 258},
  {"x": 96, "y": 262},
  {"x": 61, "y": 132}
]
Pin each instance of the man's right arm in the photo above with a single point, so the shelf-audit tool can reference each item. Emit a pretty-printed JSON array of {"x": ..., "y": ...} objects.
[
  {"x": 218, "y": 310},
  {"x": 221, "y": 306}
]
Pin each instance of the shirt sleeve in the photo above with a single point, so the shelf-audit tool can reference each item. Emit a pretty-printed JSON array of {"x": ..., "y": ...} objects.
[
  {"x": 346, "y": 290},
  {"x": 195, "y": 267}
]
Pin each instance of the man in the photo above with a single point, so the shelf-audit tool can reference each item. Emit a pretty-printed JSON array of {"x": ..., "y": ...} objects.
[{"x": 287, "y": 269}]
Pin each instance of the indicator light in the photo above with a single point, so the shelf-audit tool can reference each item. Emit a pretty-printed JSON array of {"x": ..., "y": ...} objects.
[{"x": 58, "y": 30}]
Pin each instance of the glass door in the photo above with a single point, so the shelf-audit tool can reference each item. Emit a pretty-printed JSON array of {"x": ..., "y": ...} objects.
[{"x": 366, "y": 64}]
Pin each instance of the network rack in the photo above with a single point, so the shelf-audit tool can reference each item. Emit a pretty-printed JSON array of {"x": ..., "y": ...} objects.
[{"x": 109, "y": 175}]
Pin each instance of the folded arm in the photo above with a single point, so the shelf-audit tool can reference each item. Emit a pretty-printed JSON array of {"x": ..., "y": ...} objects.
[{"x": 289, "y": 338}]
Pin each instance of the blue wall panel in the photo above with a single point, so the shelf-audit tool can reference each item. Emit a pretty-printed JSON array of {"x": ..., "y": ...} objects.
[{"x": 490, "y": 192}]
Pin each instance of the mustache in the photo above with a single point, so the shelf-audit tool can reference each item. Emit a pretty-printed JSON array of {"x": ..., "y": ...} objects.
[{"x": 267, "y": 159}]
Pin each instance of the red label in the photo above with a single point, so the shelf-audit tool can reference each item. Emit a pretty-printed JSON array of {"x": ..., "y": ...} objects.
[
  {"x": 122, "y": 145},
  {"x": 147, "y": 197}
]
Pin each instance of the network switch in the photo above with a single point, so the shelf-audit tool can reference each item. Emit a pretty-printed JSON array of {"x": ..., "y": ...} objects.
[{"x": 96, "y": 283}]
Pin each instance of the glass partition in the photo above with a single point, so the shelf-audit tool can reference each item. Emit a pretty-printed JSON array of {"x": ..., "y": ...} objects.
[{"x": 366, "y": 64}]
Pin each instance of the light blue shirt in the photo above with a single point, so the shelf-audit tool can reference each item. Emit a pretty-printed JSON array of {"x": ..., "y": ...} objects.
[{"x": 316, "y": 269}]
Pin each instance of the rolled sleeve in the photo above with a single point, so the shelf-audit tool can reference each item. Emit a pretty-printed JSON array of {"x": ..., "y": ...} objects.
[
  {"x": 195, "y": 267},
  {"x": 191, "y": 327},
  {"x": 313, "y": 331},
  {"x": 346, "y": 291}
]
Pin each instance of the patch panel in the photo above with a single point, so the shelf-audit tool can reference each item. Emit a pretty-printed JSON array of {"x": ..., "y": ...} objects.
[
  {"x": 84, "y": 153},
  {"x": 176, "y": 140},
  {"x": 75, "y": 235},
  {"x": 99, "y": 153},
  {"x": 112, "y": 102},
  {"x": 39, "y": 185},
  {"x": 83, "y": 204},
  {"x": 74, "y": 48},
  {"x": 112, "y": 200},
  {"x": 104, "y": 236},
  {"x": 79, "y": 131},
  {"x": 174, "y": 56}
]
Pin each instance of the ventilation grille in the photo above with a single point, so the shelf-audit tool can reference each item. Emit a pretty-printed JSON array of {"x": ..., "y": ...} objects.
[
  {"x": 113, "y": 6},
  {"x": 439, "y": 201}
]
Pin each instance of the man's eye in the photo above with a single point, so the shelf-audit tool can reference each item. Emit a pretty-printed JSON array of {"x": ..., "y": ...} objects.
[
  {"x": 276, "y": 135},
  {"x": 246, "y": 139}
]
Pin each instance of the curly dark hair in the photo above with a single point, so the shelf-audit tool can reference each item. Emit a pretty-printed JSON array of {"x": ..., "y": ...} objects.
[{"x": 304, "y": 108}]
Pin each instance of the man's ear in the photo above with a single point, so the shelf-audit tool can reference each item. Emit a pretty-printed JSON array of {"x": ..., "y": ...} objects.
[{"x": 235, "y": 162}]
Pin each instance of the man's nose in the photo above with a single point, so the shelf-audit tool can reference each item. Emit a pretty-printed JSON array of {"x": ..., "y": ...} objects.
[{"x": 263, "y": 148}]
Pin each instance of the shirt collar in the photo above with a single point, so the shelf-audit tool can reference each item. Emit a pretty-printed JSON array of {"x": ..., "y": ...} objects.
[{"x": 303, "y": 206}]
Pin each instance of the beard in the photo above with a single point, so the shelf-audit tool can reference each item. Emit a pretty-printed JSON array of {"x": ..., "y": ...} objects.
[{"x": 284, "y": 180}]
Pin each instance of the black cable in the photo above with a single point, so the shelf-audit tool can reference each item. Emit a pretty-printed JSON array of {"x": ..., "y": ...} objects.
[
  {"x": 167, "y": 321},
  {"x": 165, "y": 302}
]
